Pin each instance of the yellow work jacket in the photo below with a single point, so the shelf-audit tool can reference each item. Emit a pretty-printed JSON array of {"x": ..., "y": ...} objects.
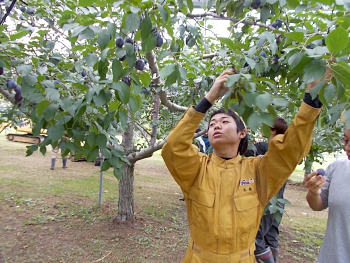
[{"x": 225, "y": 199}]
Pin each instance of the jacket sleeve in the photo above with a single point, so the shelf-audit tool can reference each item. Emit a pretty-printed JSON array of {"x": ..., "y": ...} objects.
[
  {"x": 179, "y": 154},
  {"x": 285, "y": 152}
]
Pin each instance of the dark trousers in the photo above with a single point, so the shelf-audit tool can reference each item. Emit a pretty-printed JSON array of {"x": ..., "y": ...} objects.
[{"x": 268, "y": 230}]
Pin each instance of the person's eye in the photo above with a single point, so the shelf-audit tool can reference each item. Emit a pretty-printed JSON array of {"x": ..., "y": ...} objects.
[
  {"x": 211, "y": 124},
  {"x": 225, "y": 121}
]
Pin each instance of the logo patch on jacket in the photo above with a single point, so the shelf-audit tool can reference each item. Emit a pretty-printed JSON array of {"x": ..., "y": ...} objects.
[{"x": 247, "y": 182}]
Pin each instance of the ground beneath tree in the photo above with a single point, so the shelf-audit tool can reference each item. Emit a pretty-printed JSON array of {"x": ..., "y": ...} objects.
[{"x": 70, "y": 227}]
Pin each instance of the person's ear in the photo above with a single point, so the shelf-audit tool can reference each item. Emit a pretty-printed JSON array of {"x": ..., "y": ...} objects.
[
  {"x": 273, "y": 134},
  {"x": 243, "y": 133}
]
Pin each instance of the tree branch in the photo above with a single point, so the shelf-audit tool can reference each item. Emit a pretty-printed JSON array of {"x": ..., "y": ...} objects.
[
  {"x": 6, "y": 94},
  {"x": 148, "y": 152},
  {"x": 8, "y": 11},
  {"x": 221, "y": 17},
  {"x": 156, "y": 79}
]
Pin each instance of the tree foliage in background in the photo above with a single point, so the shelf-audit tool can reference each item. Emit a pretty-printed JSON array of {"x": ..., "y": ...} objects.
[{"x": 76, "y": 82}]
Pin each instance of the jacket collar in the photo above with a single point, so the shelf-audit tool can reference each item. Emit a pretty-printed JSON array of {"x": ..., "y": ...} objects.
[{"x": 225, "y": 163}]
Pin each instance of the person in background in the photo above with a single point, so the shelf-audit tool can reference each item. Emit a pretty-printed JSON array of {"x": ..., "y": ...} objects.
[
  {"x": 199, "y": 142},
  {"x": 54, "y": 154},
  {"x": 332, "y": 190},
  {"x": 266, "y": 242},
  {"x": 226, "y": 194},
  {"x": 208, "y": 147}
]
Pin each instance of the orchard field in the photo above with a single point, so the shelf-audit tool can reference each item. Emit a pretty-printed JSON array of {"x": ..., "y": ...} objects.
[{"x": 53, "y": 216}]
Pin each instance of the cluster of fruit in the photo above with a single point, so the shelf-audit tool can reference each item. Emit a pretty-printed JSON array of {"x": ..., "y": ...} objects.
[
  {"x": 277, "y": 24},
  {"x": 119, "y": 42},
  {"x": 11, "y": 85}
]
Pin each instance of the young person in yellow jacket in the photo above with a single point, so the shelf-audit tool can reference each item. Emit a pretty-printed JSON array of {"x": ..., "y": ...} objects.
[{"x": 225, "y": 193}]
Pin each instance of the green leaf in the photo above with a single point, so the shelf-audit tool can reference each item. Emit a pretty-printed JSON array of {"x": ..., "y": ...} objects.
[
  {"x": 86, "y": 34},
  {"x": 117, "y": 69},
  {"x": 91, "y": 139},
  {"x": 24, "y": 70},
  {"x": 280, "y": 102},
  {"x": 105, "y": 165},
  {"x": 164, "y": 13},
  {"x": 231, "y": 80},
  {"x": 86, "y": 2},
  {"x": 254, "y": 121},
  {"x": 145, "y": 78},
  {"x": 19, "y": 34},
  {"x": 37, "y": 128},
  {"x": 131, "y": 60},
  {"x": 101, "y": 140},
  {"x": 329, "y": 92},
  {"x": 118, "y": 172},
  {"x": 43, "y": 150},
  {"x": 123, "y": 91},
  {"x": 55, "y": 133},
  {"x": 67, "y": 27},
  {"x": 77, "y": 30},
  {"x": 103, "y": 38},
  {"x": 123, "y": 118},
  {"x": 347, "y": 118},
  {"x": 132, "y": 22},
  {"x": 341, "y": 71},
  {"x": 92, "y": 155},
  {"x": 226, "y": 41},
  {"x": 53, "y": 94},
  {"x": 297, "y": 36},
  {"x": 337, "y": 40},
  {"x": 314, "y": 70},
  {"x": 101, "y": 99},
  {"x": 316, "y": 89},
  {"x": 50, "y": 112},
  {"x": 295, "y": 59},
  {"x": 264, "y": 13},
  {"x": 42, "y": 106},
  {"x": 91, "y": 59},
  {"x": 134, "y": 105},
  {"x": 172, "y": 78},
  {"x": 190, "y": 5},
  {"x": 167, "y": 70},
  {"x": 30, "y": 80},
  {"x": 263, "y": 100},
  {"x": 108, "y": 119},
  {"x": 146, "y": 26},
  {"x": 150, "y": 44}
]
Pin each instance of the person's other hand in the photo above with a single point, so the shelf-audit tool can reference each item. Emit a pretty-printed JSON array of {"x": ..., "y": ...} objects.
[
  {"x": 314, "y": 182},
  {"x": 219, "y": 88}
]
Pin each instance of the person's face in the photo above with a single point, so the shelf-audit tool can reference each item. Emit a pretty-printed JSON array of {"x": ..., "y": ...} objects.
[
  {"x": 223, "y": 130},
  {"x": 346, "y": 137}
]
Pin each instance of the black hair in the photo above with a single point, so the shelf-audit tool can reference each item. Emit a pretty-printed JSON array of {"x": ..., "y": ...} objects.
[{"x": 243, "y": 144}]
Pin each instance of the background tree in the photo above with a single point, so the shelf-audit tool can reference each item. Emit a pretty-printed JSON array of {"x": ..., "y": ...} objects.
[{"x": 93, "y": 69}]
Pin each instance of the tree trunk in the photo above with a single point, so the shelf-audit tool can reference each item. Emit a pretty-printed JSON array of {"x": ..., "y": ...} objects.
[
  {"x": 126, "y": 182},
  {"x": 126, "y": 194}
]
